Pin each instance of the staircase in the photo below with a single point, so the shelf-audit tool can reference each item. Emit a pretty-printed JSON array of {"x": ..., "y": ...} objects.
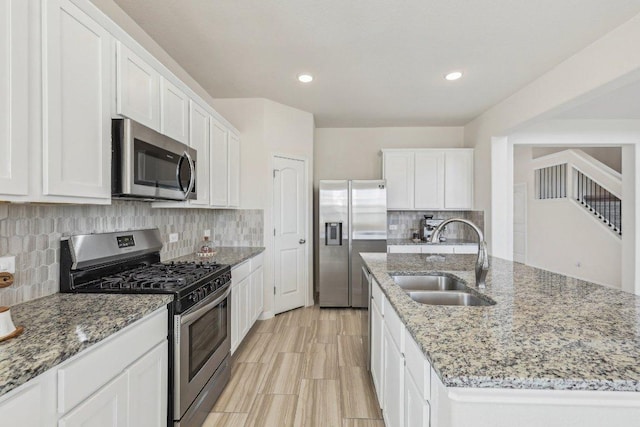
[{"x": 574, "y": 175}]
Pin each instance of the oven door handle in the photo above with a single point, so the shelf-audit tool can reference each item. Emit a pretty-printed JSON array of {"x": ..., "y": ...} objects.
[{"x": 203, "y": 306}]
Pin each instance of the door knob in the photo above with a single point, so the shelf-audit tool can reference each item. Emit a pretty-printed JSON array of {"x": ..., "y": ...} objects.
[{"x": 302, "y": 241}]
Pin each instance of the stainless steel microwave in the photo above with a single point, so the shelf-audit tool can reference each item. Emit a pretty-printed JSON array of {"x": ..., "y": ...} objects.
[{"x": 148, "y": 165}]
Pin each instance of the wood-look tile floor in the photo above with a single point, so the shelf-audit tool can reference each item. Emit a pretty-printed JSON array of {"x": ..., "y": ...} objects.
[{"x": 306, "y": 367}]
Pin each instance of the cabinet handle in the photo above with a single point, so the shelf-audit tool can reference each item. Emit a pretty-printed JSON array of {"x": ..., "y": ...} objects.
[{"x": 302, "y": 241}]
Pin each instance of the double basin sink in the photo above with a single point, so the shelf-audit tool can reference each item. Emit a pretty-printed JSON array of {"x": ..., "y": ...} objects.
[{"x": 439, "y": 289}]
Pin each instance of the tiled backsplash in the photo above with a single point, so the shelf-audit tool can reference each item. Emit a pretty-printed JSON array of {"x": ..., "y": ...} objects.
[
  {"x": 32, "y": 233},
  {"x": 410, "y": 220}
]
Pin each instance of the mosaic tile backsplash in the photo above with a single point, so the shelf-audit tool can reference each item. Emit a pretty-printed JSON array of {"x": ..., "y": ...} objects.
[
  {"x": 32, "y": 234},
  {"x": 410, "y": 220}
]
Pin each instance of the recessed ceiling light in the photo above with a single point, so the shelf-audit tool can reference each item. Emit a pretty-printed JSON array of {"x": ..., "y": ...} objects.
[
  {"x": 454, "y": 75},
  {"x": 305, "y": 78}
]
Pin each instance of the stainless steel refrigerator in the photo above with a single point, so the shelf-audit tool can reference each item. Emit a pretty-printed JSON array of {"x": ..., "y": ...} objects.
[{"x": 352, "y": 219}]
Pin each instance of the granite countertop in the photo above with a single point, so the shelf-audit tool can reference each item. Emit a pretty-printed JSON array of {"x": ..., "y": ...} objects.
[
  {"x": 408, "y": 241},
  {"x": 58, "y": 326},
  {"x": 231, "y": 255},
  {"x": 547, "y": 331}
]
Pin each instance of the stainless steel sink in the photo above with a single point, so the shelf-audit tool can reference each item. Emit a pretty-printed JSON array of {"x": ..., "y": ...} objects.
[
  {"x": 439, "y": 289},
  {"x": 432, "y": 282},
  {"x": 448, "y": 298}
]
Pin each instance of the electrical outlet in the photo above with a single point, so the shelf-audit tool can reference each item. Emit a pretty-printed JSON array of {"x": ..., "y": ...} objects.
[
  {"x": 8, "y": 263},
  {"x": 173, "y": 237},
  {"x": 578, "y": 264},
  {"x": 207, "y": 233},
  {"x": 393, "y": 227}
]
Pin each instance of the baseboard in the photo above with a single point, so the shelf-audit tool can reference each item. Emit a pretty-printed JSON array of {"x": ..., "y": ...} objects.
[{"x": 265, "y": 315}]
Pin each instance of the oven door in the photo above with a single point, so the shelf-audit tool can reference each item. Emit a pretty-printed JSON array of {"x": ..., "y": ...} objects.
[{"x": 202, "y": 341}]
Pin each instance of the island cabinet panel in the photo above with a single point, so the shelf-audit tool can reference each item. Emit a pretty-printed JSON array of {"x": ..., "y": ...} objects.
[
  {"x": 416, "y": 410},
  {"x": 393, "y": 381},
  {"x": 499, "y": 407},
  {"x": 33, "y": 404},
  {"x": 376, "y": 346}
]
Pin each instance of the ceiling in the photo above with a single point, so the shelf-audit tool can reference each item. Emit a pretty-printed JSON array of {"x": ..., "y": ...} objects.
[{"x": 375, "y": 62}]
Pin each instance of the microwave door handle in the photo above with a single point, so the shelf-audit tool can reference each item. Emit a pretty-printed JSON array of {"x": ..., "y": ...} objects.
[
  {"x": 192, "y": 173},
  {"x": 178, "y": 167}
]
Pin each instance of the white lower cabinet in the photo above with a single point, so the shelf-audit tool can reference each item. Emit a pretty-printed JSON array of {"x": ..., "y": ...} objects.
[
  {"x": 107, "y": 407},
  {"x": 130, "y": 387},
  {"x": 416, "y": 410},
  {"x": 377, "y": 337},
  {"x": 147, "y": 382},
  {"x": 393, "y": 381},
  {"x": 247, "y": 296}
]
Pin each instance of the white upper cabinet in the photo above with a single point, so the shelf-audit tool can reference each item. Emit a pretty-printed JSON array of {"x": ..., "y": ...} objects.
[
  {"x": 430, "y": 179},
  {"x": 398, "y": 172},
  {"x": 458, "y": 178},
  {"x": 14, "y": 71},
  {"x": 219, "y": 165},
  {"x": 199, "y": 132},
  {"x": 174, "y": 112},
  {"x": 234, "y": 170},
  {"x": 138, "y": 89},
  {"x": 77, "y": 99}
]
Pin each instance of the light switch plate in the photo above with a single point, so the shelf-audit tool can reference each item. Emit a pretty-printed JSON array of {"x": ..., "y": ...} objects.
[
  {"x": 393, "y": 227},
  {"x": 173, "y": 237},
  {"x": 8, "y": 263}
]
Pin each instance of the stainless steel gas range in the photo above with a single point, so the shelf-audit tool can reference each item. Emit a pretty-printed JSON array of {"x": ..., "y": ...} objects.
[{"x": 200, "y": 330}]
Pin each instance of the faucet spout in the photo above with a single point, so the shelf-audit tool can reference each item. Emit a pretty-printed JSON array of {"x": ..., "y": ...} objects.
[{"x": 482, "y": 263}]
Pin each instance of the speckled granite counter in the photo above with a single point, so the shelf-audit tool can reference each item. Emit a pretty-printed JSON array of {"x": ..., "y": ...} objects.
[
  {"x": 61, "y": 325},
  {"x": 547, "y": 331},
  {"x": 232, "y": 255},
  {"x": 393, "y": 242}
]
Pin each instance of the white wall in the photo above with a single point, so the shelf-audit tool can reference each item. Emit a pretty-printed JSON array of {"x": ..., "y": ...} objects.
[
  {"x": 563, "y": 237},
  {"x": 354, "y": 153},
  {"x": 610, "y": 62},
  {"x": 269, "y": 128}
]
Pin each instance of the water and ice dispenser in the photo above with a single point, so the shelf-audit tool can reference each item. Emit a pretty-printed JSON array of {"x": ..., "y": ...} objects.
[{"x": 333, "y": 233}]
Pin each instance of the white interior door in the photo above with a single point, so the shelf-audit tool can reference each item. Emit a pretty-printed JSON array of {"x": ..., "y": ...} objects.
[
  {"x": 290, "y": 239},
  {"x": 520, "y": 222}
]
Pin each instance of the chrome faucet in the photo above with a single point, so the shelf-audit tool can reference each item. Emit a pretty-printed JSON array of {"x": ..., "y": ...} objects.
[{"x": 482, "y": 263}]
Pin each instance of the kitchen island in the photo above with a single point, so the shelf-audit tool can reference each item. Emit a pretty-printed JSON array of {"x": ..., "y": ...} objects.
[{"x": 553, "y": 349}]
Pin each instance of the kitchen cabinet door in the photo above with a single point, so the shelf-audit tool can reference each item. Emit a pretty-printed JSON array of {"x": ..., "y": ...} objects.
[
  {"x": 416, "y": 410},
  {"x": 199, "y": 131},
  {"x": 256, "y": 297},
  {"x": 235, "y": 317},
  {"x": 377, "y": 337},
  {"x": 76, "y": 152},
  {"x": 398, "y": 171},
  {"x": 148, "y": 388},
  {"x": 404, "y": 249},
  {"x": 429, "y": 179},
  {"x": 393, "y": 381},
  {"x": 234, "y": 170},
  {"x": 219, "y": 165},
  {"x": 31, "y": 404},
  {"x": 138, "y": 89},
  {"x": 245, "y": 322},
  {"x": 14, "y": 113},
  {"x": 174, "y": 112},
  {"x": 107, "y": 407},
  {"x": 458, "y": 179}
]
